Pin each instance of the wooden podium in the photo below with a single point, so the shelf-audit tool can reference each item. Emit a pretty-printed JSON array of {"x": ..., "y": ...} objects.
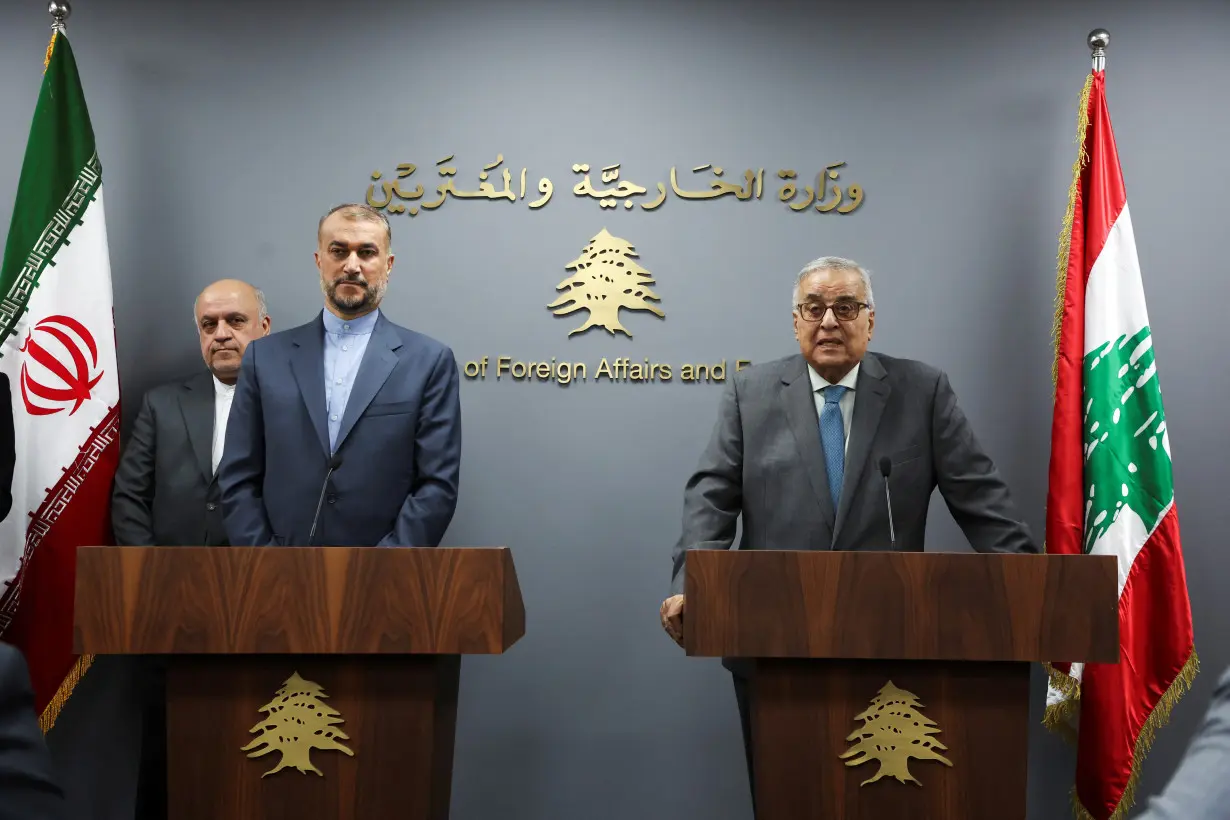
[
  {"x": 954, "y": 634},
  {"x": 354, "y": 654}
]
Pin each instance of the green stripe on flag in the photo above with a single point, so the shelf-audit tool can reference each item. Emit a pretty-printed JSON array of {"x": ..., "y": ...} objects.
[{"x": 59, "y": 176}]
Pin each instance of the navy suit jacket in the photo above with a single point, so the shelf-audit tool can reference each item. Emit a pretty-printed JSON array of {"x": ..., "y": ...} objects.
[{"x": 399, "y": 443}]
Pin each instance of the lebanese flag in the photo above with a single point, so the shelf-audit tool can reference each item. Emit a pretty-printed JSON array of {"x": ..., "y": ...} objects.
[
  {"x": 57, "y": 349},
  {"x": 1111, "y": 490}
]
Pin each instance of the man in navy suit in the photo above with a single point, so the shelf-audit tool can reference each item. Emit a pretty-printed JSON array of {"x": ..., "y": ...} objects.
[{"x": 349, "y": 415}]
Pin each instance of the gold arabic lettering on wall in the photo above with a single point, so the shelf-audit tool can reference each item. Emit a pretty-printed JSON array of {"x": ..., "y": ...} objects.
[{"x": 824, "y": 196}]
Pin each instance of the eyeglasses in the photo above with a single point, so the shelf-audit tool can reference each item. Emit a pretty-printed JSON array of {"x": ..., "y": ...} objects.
[{"x": 846, "y": 310}]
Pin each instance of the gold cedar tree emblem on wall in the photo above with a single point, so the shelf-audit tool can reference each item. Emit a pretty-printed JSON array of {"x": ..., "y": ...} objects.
[
  {"x": 298, "y": 721},
  {"x": 893, "y": 731},
  {"x": 606, "y": 278}
]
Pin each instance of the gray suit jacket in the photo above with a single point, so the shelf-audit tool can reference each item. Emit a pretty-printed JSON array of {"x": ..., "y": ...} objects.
[
  {"x": 1199, "y": 789},
  {"x": 765, "y": 461},
  {"x": 165, "y": 492},
  {"x": 28, "y": 790},
  {"x": 399, "y": 443}
]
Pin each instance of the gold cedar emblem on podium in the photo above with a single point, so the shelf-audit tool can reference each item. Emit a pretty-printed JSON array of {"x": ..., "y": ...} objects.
[
  {"x": 606, "y": 278},
  {"x": 894, "y": 730},
  {"x": 298, "y": 721}
]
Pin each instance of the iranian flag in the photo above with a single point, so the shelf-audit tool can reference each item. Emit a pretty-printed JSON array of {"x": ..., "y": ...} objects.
[
  {"x": 1111, "y": 489},
  {"x": 57, "y": 350}
]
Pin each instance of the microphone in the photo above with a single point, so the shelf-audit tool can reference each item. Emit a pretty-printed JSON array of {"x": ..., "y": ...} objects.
[
  {"x": 886, "y": 467},
  {"x": 335, "y": 461}
]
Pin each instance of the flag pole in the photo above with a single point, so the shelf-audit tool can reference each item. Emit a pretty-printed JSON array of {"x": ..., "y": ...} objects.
[
  {"x": 1064, "y": 689},
  {"x": 1098, "y": 40},
  {"x": 60, "y": 11}
]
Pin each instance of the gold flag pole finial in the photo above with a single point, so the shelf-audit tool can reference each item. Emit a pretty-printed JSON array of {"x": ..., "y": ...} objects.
[
  {"x": 1098, "y": 40},
  {"x": 59, "y": 11}
]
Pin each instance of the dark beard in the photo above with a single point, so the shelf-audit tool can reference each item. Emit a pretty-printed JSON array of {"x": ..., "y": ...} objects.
[{"x": 351, "y": 303}]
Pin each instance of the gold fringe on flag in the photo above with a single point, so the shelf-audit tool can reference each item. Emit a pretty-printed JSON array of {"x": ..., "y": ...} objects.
[
  {"x": 48, "y": 718},
  {"x": 1059, "y": 716},
  {"x": 54, "y": 707},
  {"x": 50, "y": 48},
  {"x": 1065, "y": 234},
  {"x": 1158, "y": 718}
]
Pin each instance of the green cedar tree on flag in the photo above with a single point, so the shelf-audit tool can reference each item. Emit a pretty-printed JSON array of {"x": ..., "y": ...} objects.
[
  {"x": 57, "y": 349},
  {"x": 1111, "y": 490}
]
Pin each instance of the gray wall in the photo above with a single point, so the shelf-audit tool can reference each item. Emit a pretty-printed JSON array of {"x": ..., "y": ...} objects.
[{"x": 225, "y": 129}]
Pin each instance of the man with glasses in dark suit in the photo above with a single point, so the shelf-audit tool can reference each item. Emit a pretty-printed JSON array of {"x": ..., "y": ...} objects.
[{"x": 798, "y": 445}]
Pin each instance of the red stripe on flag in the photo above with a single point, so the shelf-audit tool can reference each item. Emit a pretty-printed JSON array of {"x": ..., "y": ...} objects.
[
  {"x": 1117, "y": 699},
  {"x": 42, "y": 626},
  {"x": 1102, "y": 180},
  {"x": 1100, "y": 198}
]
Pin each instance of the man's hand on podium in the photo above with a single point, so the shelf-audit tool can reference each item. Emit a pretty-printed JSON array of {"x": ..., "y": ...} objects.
[{"x": 672, "y": 617}]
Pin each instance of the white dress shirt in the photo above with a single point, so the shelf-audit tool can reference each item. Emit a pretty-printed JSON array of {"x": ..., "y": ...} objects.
[
  {"x": 223, "y": 393},
  {"x": 846, "y": 405}
]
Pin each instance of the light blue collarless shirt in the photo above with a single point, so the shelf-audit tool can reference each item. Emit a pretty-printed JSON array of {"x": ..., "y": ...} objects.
[{"x": 345, "y": 342}]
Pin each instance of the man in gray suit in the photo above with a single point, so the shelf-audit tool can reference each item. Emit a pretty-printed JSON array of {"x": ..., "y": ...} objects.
[
  {"x": 346, "y": 430},
  {"x": 799, "y": 442},
  {"x": 165, "y": 491}
]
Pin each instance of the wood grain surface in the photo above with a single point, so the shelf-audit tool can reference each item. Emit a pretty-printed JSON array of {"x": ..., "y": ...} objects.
[
  {"x": 399, "y": 714},
  {"x": 901, "y": 605},
  {"x": 235, "y": 600},
  {"x": 804, "y": 711}
]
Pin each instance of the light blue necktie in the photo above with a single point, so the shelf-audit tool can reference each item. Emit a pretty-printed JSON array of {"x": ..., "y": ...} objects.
[{"x": 833, "y": 437}]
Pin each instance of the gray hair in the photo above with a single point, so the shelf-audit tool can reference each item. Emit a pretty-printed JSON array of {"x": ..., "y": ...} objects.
[
  {"x": 834, "y": 263},
  {"x": 358, "y": 210},
  {"x": 262, "y": 307}
]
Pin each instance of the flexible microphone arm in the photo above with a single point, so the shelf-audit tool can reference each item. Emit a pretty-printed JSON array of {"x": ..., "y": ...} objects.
[
  {"x": 886, "y": 467},
  {"x": 335, "y": 461}
]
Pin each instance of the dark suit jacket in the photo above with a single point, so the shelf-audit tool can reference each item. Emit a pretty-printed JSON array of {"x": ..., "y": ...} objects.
[
  {"x": 765, "y": 461},
  {"x": 399, "y": 443},
  {"x": 28, "y": 791},
  {"x": 165, "y": 493},
  {"x": 8, "y": 452}
]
